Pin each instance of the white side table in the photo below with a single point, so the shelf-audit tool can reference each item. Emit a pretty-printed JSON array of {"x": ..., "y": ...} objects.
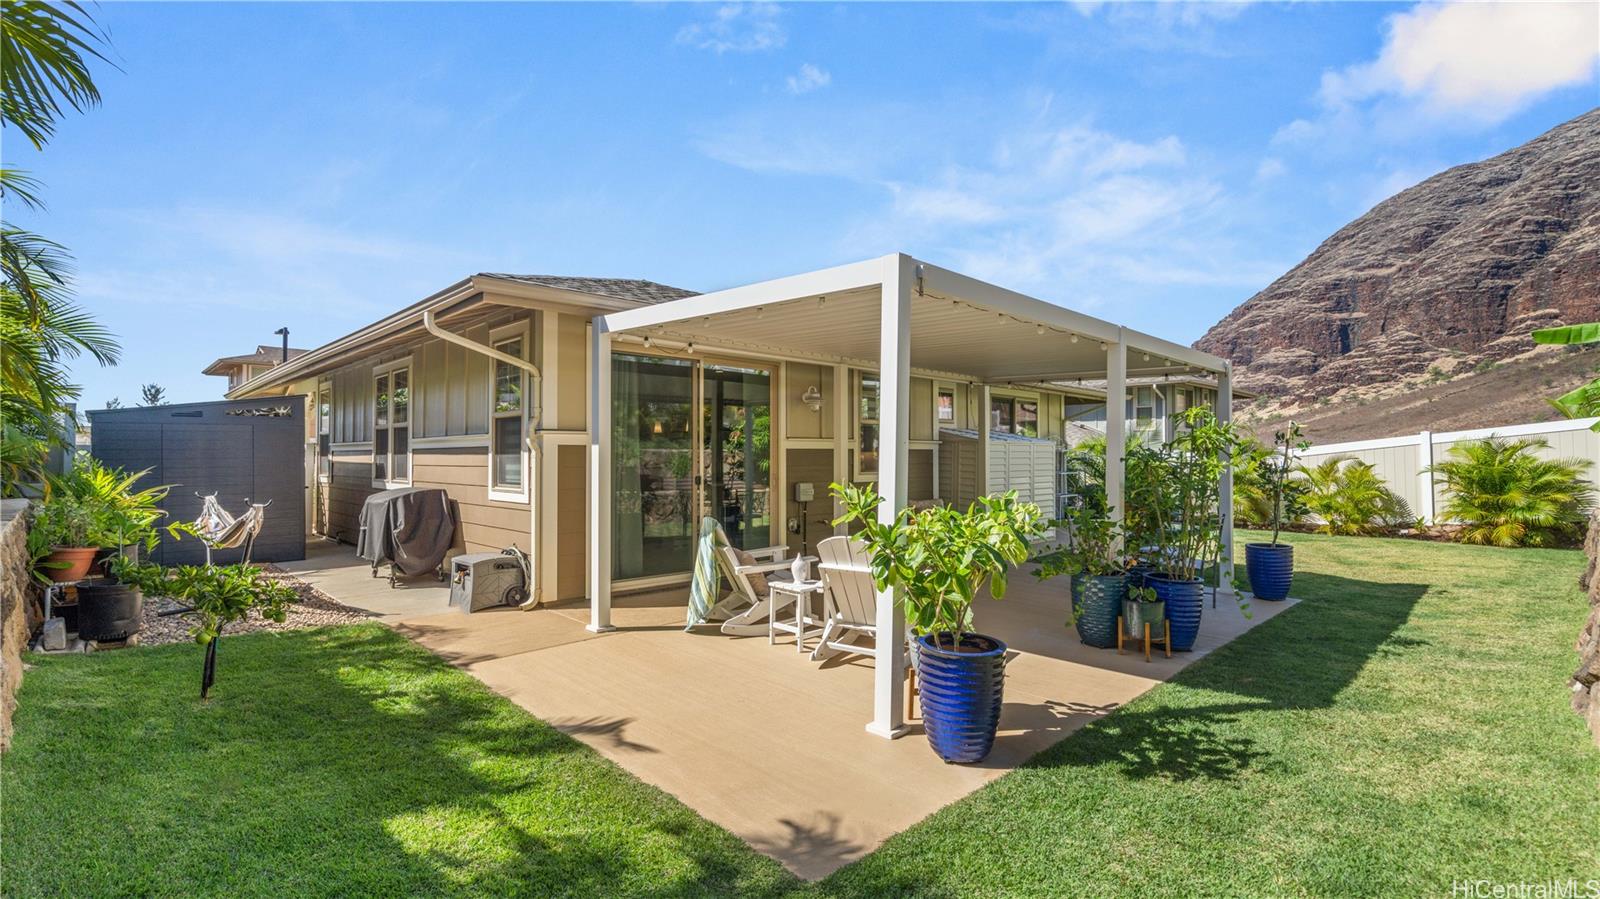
[{"x": 804, "y": 624}]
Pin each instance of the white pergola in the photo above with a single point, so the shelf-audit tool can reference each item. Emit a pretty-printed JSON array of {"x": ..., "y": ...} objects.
[{"x": 898, "y": 316}]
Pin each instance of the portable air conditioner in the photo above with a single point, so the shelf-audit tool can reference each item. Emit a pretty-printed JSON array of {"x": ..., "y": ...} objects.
[{"x": 485, "y": 580}]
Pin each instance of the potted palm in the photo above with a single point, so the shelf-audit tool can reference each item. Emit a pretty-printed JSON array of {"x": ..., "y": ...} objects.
[
  {"x": 1270, "y": 566},
  {"x": 1174, "y": 488},
  {"x": 938, "y": 560},
  {"x": 1098, "y": 577}
]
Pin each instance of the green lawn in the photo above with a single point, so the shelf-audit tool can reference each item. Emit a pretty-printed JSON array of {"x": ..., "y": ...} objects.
[{"x": 1404, "y": 727}]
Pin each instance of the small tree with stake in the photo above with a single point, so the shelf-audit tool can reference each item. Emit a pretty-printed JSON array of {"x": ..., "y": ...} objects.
[
  {"x": 1287, "y": 496},
  {"x": 219, "y": 594}
]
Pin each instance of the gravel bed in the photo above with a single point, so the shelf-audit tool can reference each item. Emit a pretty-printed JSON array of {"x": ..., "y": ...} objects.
[{"x": 313, "y": 609}]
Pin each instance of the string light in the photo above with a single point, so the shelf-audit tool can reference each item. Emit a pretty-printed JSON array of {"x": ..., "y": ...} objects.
[
  {"x": 689, "y": 348},
  {"x": 1038, "y": 329},
  {"x": 1074, "y": 338},
  {"x": 647, "y": 341}
]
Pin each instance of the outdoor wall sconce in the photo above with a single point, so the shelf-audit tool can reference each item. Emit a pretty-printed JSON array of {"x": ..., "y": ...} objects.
[{"x": 812, "y": 398}]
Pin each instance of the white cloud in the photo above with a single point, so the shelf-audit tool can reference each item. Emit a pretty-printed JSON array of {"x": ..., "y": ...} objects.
[
  {"x": 808, "y": 79},
  {"x": 737, "y": 27},
  {"x": 1463, "y": 63},
  {"x": 1270, "y": 168}
]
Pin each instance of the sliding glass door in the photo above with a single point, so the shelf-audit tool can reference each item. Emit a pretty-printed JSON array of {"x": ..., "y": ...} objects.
[
  {"x": 736, "y": 452},
  {"x": 689, "y": 439}
]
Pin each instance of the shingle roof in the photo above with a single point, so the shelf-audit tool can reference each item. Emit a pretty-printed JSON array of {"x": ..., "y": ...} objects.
[
  {"x": 264, "y": 355},
  {"x": 616, "y": 288}
]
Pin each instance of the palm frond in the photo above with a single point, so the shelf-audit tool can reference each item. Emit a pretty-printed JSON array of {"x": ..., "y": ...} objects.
[{"x": 47, "y": 48}]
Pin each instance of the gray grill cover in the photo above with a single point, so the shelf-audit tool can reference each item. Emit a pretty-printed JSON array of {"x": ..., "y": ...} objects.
[{"x": 412, "y": 528}]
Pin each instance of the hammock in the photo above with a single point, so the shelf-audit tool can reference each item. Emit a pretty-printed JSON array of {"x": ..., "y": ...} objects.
[{"x": 219, "y": 530}]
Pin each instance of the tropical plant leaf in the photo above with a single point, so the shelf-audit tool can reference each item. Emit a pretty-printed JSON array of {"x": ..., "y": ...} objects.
[{"x": 1588, "y": 332}]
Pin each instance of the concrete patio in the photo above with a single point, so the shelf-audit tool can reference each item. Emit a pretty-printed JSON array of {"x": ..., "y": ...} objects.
[{"x": 757, "y": 738}]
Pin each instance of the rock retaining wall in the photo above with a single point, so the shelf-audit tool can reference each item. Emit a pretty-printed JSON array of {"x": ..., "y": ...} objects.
[
  {"x": 1586, "y": 680},
  {"x": 17, "y": 613}
]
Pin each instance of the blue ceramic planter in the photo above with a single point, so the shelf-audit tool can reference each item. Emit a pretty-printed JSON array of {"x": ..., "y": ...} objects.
[
  {"x": 1097, "y": 599},
  {"x": 1183, "y": 608},
  {"x": 1271, "y": 569},
  {"x": 961, "y": 694}
]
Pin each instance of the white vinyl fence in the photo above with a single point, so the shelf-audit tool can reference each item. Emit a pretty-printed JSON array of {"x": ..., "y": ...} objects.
[{"x": 1402, "y": 462}]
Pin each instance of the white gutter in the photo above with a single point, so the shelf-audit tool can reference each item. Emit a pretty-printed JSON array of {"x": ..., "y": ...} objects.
[{"x": 534, "y": 412}]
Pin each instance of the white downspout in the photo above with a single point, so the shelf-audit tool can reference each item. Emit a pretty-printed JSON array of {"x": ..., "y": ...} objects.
[{"x": 534, "y": 412}]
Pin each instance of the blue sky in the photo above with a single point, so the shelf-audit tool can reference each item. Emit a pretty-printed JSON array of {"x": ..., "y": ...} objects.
[{"x": 317, "y": 166}]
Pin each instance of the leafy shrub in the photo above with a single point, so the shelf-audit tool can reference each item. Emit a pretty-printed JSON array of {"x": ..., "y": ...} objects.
[
  {"x": 1504, "y": 494},
  {"x": 1348, "y": 497}
]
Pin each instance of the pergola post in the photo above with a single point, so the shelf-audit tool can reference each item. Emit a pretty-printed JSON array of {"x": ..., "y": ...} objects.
[
  {"x": 600, "y": 478},
  {"x": 842, "y": 419},
  {"x": 1116, "y": 423},
  {"x": 1225, "y": 483},
  {"x": 894, "y": 423},
  {"x": 984, "y": 426}
]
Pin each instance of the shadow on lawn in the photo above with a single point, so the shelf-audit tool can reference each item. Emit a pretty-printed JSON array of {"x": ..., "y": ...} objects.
[
  {"x": 1301, "y": 659},
  {"x": 351, "y": 762}
]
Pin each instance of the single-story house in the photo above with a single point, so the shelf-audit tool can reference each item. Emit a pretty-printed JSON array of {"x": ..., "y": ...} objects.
[{"x": 595, "y": 422}]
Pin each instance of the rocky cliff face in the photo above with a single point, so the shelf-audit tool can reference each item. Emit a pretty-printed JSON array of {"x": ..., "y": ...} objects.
[{"x": 1443, "y": 279}]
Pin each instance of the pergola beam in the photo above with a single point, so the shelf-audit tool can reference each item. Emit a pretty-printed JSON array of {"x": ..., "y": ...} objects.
[{"x": 840, "y": 278}]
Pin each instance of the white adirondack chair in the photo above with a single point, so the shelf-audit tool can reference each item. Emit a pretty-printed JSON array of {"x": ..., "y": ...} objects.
[
  {"x": 849, "y": 602},
  {"x": 746, "y": 609}
]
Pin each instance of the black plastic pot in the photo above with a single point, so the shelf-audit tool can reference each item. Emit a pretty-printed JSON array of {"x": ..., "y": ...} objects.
[{"x": 109, "y": 611}]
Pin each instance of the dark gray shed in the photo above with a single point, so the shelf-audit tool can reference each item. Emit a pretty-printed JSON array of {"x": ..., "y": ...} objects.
[{"x": 242, "y": 450}]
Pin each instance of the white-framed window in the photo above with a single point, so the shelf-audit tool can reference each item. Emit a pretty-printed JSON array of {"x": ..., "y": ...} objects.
[
  {"x": 324, "y": 430},
  {"x": 944, "y": 408},
  {"x": 508, "y": 417},
  {"x": 391, "y": 424},
  {"x": 867, "y": 395}
]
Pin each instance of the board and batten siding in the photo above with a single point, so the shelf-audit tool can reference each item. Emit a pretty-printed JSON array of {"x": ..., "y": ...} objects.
[{"x": 450, "y": 401}]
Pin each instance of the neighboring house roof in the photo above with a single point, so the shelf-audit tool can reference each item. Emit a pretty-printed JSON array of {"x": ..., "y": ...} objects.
[
  {"x": 617, "y": 288},
  {"x": 264, "y": 355}
]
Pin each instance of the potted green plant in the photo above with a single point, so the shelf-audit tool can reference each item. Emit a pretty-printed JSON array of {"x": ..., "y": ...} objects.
[
  {"x": 1271, "y": 565},
  {"x": 62, "y": 539},
  {"x": 938, "y": 560},
  {"x": 1142, "y": 606},
  {"x": 1095, "y": 566},
  {"x": 1174, "y": 488},
  {"x": 127, "y": 517}
]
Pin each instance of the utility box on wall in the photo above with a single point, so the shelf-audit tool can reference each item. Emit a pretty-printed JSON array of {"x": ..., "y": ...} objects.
[
  {"x": 244, "y": 451},
  {"x": 1024, "y": 464}
]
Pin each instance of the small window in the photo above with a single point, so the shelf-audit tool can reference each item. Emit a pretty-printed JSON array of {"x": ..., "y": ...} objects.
[
  {"x": 947, "y": 405},
  {"x": 1001, "y": 415},
  {"x": 867, "y": 445},
  {"x": 508, "y": 461},
  {"x": 391, "y": 426},
  {"x": 1027, "y": 418}
]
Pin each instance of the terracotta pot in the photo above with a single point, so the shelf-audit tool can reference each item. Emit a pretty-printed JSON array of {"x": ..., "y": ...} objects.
[{"x": 76, "y": 560}]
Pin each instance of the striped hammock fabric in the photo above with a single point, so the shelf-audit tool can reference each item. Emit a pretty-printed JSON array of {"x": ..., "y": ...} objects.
[{"x": 705, "y": 588}]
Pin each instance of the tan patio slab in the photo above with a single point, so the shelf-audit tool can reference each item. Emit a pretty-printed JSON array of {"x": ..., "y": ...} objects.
[{"x": 768, "y": 744}]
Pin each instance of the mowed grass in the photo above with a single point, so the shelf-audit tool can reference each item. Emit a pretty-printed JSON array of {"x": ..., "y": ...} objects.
[
  {"x": 335, "y": 762},
  {"x": 1406, "y": 726}
]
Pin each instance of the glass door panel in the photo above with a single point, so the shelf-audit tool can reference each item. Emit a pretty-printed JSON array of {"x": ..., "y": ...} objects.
[
  {"x": 653, "y": 521},
  {"x": 736, "y": 452}
]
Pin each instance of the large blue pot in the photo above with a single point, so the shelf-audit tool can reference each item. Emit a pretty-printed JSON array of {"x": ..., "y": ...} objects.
[
  {"x": 961, "y": 694},
  {"x": 1097, "y": 601},
  {"x": 1183, "y": 608},
  {"x": 1271, "y": 568}
]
